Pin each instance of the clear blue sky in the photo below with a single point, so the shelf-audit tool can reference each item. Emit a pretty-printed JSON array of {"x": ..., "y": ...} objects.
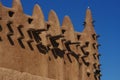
[{"x": 106, "y": 13}]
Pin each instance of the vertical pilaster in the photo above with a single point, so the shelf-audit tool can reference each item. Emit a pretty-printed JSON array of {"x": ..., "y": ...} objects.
[
  {"x": 71, "y": 66},
  {"x": 56, "y": 52}
]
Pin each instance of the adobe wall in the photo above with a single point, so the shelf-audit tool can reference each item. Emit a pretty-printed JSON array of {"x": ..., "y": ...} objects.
[
  {"x": 29, "y": 46},
  {"x": 8, "y": 74}
]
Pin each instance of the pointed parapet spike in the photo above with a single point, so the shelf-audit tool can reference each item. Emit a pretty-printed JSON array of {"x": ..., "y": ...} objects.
[
  {"x": 67, "y": 24},
  {"x": 38, "y": 17},
  {"x": 37, "y": 12},
  {"x": 17, "y": 5},
  {"x": 88, "y": 24},
  {"x": 88, "y": 16},
  {"x": 52, "y": 18},
  {"x": 68, "y": 27}
]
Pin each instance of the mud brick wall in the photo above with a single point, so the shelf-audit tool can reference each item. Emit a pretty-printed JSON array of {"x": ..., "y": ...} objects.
[
  {"x": 29, "y": 45},
  {"x": 8, "y": 74}
]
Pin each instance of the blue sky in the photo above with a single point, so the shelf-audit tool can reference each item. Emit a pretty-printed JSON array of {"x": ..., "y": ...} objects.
[{"x": 106, "y": 13}]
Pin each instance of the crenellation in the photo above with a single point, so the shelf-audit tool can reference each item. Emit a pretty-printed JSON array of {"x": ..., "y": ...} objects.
[
  {"x": 38, "y": 19},
  {"x": 16, "y": 4},
  {"x": 46, "y": 49}
]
